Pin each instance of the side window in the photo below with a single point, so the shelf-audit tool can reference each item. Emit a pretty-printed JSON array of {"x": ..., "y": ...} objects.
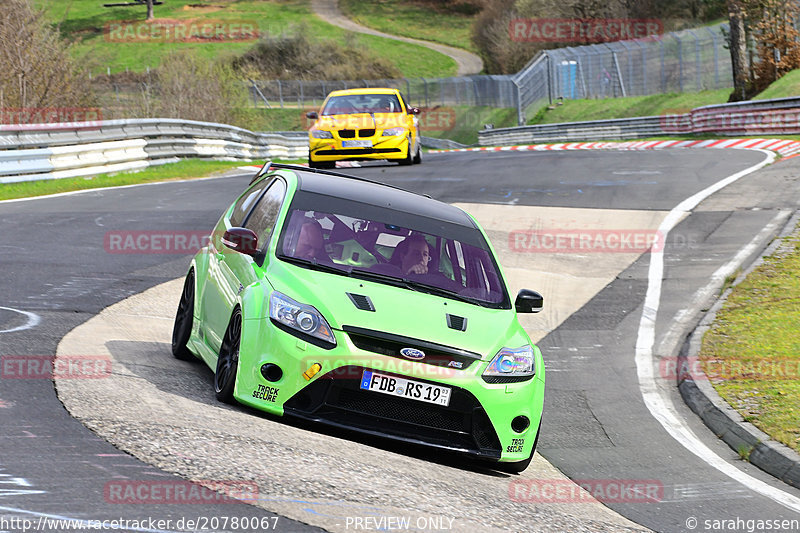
[
  {"x": 263, "y": 217},
  {"x": 246, "y": 202}
]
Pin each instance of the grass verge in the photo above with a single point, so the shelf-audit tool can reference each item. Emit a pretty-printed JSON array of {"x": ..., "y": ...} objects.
[
  {"x": 410, "y": 19},
  {"x": 84, "y": 23},
  {"x": 633, "y": 106},
  {"x": 751, "y": 353},
  {"x": 188, "y": 168},
  {"x": 789, "y": 85}
]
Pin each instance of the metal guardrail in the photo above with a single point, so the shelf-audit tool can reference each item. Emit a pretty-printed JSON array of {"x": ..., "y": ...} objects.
[
  {"x": 30, "y": 152},
  {"x": 757, "y": 117}
]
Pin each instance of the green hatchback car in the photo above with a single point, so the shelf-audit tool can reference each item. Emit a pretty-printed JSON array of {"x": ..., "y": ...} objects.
[{"x": 364, "y": 306}]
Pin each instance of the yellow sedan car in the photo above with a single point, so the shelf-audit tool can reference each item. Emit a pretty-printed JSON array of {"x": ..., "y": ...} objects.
[{"x": 360, "y": 124}]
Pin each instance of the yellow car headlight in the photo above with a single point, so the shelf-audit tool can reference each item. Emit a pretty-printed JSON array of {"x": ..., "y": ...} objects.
[
  {"x": 321, "y": 134},
  {"x": 394, "y": 132}
]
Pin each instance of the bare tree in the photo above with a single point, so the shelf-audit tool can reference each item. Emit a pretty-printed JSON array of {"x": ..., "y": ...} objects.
[
  {"x": 38, "y": 71},
  {"x": 150, "y": 15}
]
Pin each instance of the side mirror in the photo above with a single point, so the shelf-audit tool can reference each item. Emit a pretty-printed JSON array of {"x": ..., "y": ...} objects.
[
  {"x": 312, "y": 115},
  {"x": 413, "y": 110},
  {"x": 528, "y": 302},
  {"x": 242, "y": 240}
]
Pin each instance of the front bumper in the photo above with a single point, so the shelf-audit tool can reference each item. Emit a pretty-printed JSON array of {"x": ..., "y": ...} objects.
[
  {"x": 477, "y": 421},
  {"x": 334, "y": 149}
]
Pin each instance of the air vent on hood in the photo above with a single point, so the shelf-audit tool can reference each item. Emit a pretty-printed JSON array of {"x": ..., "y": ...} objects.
[
  {"x": 456, "y": 322},
  {"x": 362, "y": 302}
]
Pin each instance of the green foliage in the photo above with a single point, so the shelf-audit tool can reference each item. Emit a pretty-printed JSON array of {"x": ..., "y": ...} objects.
[
  {"x": 84, "y": 23},
  {"x": 752, "y": 351},
  {"x": 295, "y": 56},
  {"x": 438, "y": 21}
]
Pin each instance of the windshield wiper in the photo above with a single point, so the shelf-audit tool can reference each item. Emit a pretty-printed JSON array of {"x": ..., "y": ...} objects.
[
  {"x": 313, "y": 263},
  {"x": 377, "y": 276},
  {"x": 432, "y": 289}
]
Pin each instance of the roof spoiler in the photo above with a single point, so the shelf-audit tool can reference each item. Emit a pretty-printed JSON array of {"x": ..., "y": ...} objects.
[{"x": 269, "y": 165}]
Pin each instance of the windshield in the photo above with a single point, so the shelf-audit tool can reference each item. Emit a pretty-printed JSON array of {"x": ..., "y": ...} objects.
[
  {"x": 422, "y": 254},
  {"x": 362, "y": 103}
]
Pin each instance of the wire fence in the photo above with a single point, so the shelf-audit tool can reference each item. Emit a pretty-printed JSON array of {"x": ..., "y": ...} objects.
[
  {"x": 686, "y": 61},
  {"x": 677, "y": 62},
  {"x": 494, "y": 91}
]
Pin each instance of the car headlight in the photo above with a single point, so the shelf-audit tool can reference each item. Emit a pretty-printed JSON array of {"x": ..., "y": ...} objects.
[
  {"x": 511, "y": 363},
  {"x": 394, "y": 132},
  {"x": 321, "y": 134},
  {"x": 300, "y": 317}
]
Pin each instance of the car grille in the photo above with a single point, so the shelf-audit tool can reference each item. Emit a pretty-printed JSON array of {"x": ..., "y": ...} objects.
[
  {"x": 366, "y": 133},
  {"x": 389, "y": 344},
  {"x": 370, "y": 403},
  {"x": 337, "y": 399},
  {"x": 347, "y": 134}
]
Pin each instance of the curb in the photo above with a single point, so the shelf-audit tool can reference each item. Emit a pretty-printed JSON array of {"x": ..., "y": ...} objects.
[
  {"x": 695, "y": 388},
  {"x": 784, "y": 147}
]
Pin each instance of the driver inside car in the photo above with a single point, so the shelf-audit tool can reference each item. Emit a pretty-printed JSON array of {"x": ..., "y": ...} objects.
[
  {"x": 417, "y": 255},
  {"x": 311, "y": 243}
]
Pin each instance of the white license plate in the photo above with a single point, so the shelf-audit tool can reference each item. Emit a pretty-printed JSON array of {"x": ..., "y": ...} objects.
[
  {"x": 405, "y": 388},
  {"x": 357, "y": 144}
]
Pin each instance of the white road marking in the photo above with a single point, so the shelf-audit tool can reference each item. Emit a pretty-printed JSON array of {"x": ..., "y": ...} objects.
[
  {"x": 658, "y": 403},
  {"x": 684, "y": 316},
  {"x": 33, "y": 320}
]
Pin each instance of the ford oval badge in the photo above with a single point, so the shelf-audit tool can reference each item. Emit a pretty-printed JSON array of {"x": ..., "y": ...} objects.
[{"x": 412, "y": 353}]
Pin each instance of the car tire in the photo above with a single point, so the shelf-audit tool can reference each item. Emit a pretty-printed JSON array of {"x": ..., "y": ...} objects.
[
  {"x": 520, "y": 466},
  {"x": 184, "y": 318},
  {"x": 228, "y": 360},
  {"x": 418, "y": 157},
  {"x": 409, "y": 159}
]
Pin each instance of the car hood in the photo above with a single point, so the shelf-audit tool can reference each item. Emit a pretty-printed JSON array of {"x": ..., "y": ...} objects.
[
  {"x": 357, "y": 121},
  {"x": 398, "y": 311}
]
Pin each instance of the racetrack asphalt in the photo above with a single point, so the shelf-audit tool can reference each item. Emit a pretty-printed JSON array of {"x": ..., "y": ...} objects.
[{"x": 595, "y": 425}]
